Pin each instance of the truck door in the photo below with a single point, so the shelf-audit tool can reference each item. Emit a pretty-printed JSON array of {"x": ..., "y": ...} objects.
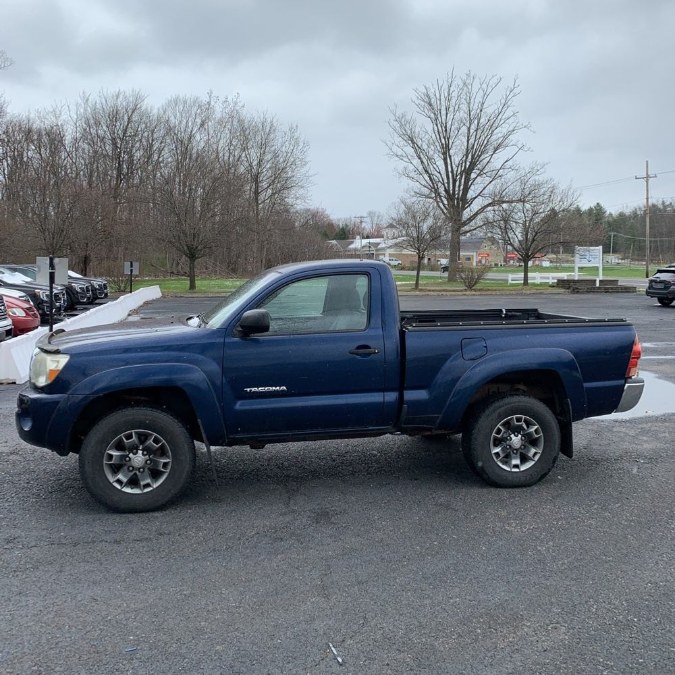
[{"x": 321, "y": 367}]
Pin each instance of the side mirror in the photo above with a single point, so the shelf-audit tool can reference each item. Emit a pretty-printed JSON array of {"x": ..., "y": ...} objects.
[{"x": 254, "y": 321}]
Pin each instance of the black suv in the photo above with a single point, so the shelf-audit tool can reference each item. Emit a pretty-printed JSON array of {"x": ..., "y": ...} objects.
[
  {"x": 78, "y": 291},
  {"x": 662, "y": 286},
  {"x": 98, "y": 285}
]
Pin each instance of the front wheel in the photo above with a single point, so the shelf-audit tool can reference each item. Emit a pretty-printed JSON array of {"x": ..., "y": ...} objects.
[
  {"x": 136, "y": 459},
  {"x": 512, "y": 441},
  {"x": 665, "y": 301}
]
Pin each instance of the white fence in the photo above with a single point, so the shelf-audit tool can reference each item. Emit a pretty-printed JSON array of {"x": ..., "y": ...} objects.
[
  {"x": 15, "y": 353},
  {"x": 538, "y": 277}
]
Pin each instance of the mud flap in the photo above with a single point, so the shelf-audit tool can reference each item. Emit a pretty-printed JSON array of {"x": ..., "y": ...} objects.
[{"x": 566, "y": 435}]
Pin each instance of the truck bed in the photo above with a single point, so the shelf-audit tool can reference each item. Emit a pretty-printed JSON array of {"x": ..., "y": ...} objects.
[{"x": 490, "y": 317}]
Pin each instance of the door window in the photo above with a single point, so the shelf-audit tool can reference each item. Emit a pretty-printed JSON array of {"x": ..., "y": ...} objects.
[{"x": 327, "y": 304}]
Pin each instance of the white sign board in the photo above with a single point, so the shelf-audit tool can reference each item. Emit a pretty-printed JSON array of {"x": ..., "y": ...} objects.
[
  {"x": 132, "y": 267},
  {"x": 60, "y": 275},
  {"x": 587, "y": 256}
]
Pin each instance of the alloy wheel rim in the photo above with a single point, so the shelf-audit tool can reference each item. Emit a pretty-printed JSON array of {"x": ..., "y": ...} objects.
[
  {"x": 137, "y": 461},
  {"x": 517, "y": 443}
]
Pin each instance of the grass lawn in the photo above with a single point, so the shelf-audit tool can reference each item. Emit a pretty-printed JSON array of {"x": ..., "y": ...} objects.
[
  {"x": 405, "y": 282},
  {"x": 179, "y": 285}
]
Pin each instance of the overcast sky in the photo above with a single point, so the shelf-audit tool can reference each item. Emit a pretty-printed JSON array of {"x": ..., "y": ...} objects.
[{"x": 596, "y": 76}]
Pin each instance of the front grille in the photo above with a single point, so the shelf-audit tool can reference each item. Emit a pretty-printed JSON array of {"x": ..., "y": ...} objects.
[{"x": 3, "y": 308}]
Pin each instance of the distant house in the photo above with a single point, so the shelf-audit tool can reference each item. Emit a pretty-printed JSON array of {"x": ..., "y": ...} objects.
[
  {"x": 473, "y": 250},
  {"x": 478, "y": 251}
]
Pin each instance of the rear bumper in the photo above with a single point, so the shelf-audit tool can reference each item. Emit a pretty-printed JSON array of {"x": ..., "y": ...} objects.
[
  {"x": 632, "y": 392},
  {"x": 661, "y": 293}
]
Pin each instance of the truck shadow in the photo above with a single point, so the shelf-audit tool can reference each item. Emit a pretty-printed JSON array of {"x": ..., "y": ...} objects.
[{"x": 336, "y": 462}]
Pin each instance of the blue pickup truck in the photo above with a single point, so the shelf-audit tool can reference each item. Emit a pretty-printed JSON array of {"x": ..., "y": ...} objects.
[{"x": 315, "y": 351}]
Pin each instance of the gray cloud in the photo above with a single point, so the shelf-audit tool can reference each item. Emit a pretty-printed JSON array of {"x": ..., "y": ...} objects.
[{"x": 594, "y": 74}]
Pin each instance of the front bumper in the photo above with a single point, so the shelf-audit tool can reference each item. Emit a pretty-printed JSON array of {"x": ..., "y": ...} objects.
[
  {"x": 632, "y": 392},
  {"x": 40, "y": 422},
  {"x": 6, "y": 329}
]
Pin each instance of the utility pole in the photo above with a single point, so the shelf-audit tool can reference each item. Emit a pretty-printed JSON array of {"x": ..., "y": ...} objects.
[
  {"x": 646, "y": 178},
  {"x": 360, "y": 219}
]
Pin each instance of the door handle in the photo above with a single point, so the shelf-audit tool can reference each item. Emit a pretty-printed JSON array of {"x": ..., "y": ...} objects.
[{"x": 364, "y": 351}]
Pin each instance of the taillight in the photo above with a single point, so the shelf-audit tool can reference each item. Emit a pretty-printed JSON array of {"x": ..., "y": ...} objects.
[{"x": 634, "y": 362}]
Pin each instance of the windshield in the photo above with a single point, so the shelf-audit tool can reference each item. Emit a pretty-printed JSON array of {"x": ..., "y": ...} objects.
[
  {"x": 10, "y": 276},
  {"x": 218, "y": 315}
]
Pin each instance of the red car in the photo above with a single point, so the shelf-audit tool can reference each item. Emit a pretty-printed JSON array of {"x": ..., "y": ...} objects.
[{"x": 22, "y": 313}]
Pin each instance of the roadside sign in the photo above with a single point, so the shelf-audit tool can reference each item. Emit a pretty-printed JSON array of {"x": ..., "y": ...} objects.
[
  {"x": 60, "y": 271},
  {"x": 588, "y": 256},
  {"x": 132, "y": 267}
]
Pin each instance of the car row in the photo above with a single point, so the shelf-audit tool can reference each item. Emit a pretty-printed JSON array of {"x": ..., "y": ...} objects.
[
  {"x": 37, "y": 293},
  {"x": 27, "y": 303},
  {"x": 79, "y": 290}
]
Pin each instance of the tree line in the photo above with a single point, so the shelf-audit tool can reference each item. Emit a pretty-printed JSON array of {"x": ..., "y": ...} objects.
[
  {"x": 194, "y": 182},
  {"x": 201, "y": 185}
]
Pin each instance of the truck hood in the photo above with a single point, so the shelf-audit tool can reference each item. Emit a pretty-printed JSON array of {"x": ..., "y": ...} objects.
[{"x": 101, "y": 336}]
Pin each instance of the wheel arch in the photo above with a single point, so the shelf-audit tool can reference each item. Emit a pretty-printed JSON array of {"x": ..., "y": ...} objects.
[
  {"x": 172, "y": 400},
  {"x": 180, "y": 389},
  {"x": 549, "y": 375}
]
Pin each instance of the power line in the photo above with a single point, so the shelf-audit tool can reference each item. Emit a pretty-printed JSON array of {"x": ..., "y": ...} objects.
[
  {"x": 616, "y": 180},
  {"x": 609, "y": 182}
]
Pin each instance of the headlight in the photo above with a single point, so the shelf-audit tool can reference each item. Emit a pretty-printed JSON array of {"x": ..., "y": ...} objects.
[
  {"x": 80, "y": 287},
  {"x": 45, "y": 367},
  {"x": 16, "y": 311},
  {"x": 44, "y": 295}
]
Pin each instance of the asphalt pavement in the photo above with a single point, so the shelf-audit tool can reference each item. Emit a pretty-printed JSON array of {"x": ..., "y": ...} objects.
[{"x": 363, "y": 556}]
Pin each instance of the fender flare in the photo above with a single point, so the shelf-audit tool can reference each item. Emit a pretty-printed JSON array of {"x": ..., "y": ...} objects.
[
  {"x": 189, "y": 378},
  {"x": 500, "y": 364}
]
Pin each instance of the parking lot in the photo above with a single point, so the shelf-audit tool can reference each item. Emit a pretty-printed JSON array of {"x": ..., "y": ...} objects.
[{"x": 363, "y": 556}]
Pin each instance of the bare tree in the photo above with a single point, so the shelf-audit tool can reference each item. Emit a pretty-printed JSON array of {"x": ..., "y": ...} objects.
[
  {"x": 116, "y": 144},
  {"x": 536, "y": 217},
  {"x": 419, "y": 225},
  {"x": 198, "y": 173},
  {"x": 375, "y": 221},
  {"x": 458, "y": 148},
  {"x": 275, "y": 166},
  {"x": 38, "y": 177}
]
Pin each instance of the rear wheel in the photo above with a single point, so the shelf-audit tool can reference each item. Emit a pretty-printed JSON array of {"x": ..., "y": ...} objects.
[
  {"x": 136, "y": 459},
  {"x": 665, "y": 301},
  {"x": 512, "y": 441}
]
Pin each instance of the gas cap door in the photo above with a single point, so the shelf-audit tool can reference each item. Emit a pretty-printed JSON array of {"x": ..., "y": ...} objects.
[{"x": 473, "y": 348}]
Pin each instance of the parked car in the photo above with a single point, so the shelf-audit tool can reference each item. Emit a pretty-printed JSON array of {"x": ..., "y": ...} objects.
[
  {"x": 78, "y": 292},
  {"x": 38, "y": 294},
  {"x": 6, "y": 327},
  {"x": 662, "y": 286},
  {"x": 99, "y": 285},
  {"x": 392, "y": 262},
  {"x": 21, "y": 311}
]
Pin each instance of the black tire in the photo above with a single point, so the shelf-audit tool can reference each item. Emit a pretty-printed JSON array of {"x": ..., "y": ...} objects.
[
  {"x": 117, "y": 473},
  {"x": 666, "y": 302},
  {"x": 497, "y": 449}
]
